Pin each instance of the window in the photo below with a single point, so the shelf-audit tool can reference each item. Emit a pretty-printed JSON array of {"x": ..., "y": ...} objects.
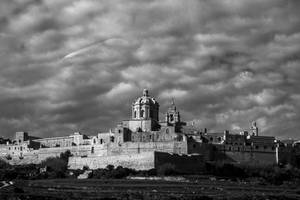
[
  {"x": 119, "y": 131},
  {"x": 142, "y": 113},
  {"x": 256, "y": 147},
  {"x": 112, "y": 138},
  {"x": 101, "y": 141},
  {"x": 273, "y": 148},
  {"x": 167, "y": 130},
  {"x": 134, "y": 115},
  {"x": 92, "y": 150},
  {"x": 171, "y": 117}
]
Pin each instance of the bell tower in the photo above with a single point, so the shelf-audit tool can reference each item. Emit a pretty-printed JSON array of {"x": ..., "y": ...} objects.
[
  {"x": 254, "y": 128},
  {"x": 172, "y": 116}
]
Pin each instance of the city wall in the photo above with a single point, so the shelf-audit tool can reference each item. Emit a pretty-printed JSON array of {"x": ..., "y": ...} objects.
[
  {"x": 98, "y": 150},
  {"x": 221, "y": 153},
  {"x": 140, "y": 161},
  {"x": 143, "y": 161},
  {"x": 190, "y": 164},
  {"x": 251, "y": 158}
]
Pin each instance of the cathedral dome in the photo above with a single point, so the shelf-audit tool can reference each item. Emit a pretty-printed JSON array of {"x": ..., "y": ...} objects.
[
  {"x": 145, "y": 107},
  {"x": 145, "y": 99}
]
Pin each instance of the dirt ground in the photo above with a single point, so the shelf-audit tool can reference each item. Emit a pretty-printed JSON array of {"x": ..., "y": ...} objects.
[{"x": 150, "y": 188}]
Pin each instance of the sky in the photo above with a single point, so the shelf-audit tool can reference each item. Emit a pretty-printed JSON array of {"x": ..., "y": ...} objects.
[{"x": 71, "y": 65}]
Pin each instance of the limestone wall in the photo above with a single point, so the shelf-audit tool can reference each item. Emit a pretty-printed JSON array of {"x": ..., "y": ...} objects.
[
  {"x": 140, "y": 161},
  {"x": 111, "y": 149}
]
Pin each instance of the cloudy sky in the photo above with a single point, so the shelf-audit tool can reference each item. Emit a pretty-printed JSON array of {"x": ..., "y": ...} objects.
[{"x": 69, "y": 65}]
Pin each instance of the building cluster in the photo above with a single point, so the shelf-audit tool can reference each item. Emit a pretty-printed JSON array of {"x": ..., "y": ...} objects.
[{"x": 145, "y": 129}]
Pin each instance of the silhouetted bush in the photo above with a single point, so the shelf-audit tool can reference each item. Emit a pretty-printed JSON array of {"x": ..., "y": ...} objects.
[
  {"x": 111, "y": 172},
  {"x": 65, "y": 156},
  {"x": 56, "y": 167},
  {"x": 4, "y": 165}
]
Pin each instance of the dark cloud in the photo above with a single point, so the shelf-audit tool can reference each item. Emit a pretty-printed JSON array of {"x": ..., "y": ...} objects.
[{"x": 69, "y": 65}]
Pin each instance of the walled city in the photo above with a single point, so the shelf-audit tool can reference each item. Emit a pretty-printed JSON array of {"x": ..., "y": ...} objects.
[{"x": 144, "y": 142}]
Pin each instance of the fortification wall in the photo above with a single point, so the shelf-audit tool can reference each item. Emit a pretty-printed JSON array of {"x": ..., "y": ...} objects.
[
  {"x": 235, "y": 155},
  {"x": 28, "y": 159},
  {"x": 138, "y": 147},
  {"x": 128, "y": 148},
  {"x": 140, "y": 161},
  {"x": 191, "y": 164},
  {"x": 253, "y": 158}
]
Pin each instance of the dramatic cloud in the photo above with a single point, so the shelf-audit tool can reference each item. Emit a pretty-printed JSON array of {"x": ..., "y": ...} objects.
[{"x": 72, "y": 65}]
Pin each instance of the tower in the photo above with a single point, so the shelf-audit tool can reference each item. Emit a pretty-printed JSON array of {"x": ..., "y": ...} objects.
[
  {"x": 254, "y": 128},
  {"x": 172, "y": 117}
]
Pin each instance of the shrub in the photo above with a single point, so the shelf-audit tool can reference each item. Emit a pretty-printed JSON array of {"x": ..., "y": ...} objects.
[
  {"x": 111, "y": 172},
  {"x": 85, "y": 167},
  {"x": 65, "y": 156},
  {"x": 57, "y": 167},
  {"x": 4, "y": 165}
]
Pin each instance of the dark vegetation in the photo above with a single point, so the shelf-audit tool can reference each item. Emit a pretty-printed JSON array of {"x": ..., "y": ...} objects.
[{"x": 57, "y": 167}]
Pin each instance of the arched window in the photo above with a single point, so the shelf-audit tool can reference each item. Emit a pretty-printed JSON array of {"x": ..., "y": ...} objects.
[
  {"x": 171, "y": 117},
  {"x": 134, "y": 114},
  {"x": 219, "y": 139},
  {"x": 112, "y": 139},
  {"x": 142, "y": 113}
]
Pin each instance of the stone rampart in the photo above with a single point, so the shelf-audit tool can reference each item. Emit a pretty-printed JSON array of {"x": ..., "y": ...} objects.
[
  {"x": 253, "y": 158},
  {"x": 191, "y": 164},
  {"x": 140, "y": 161},
  {"x": 111, "y": 149}
]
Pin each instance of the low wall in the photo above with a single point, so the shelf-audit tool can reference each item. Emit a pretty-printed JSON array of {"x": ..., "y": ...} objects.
[{"x": 141, "y": 161}]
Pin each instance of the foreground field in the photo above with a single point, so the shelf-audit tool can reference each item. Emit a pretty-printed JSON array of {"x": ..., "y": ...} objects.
[{"x": 204, "y": 188}]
